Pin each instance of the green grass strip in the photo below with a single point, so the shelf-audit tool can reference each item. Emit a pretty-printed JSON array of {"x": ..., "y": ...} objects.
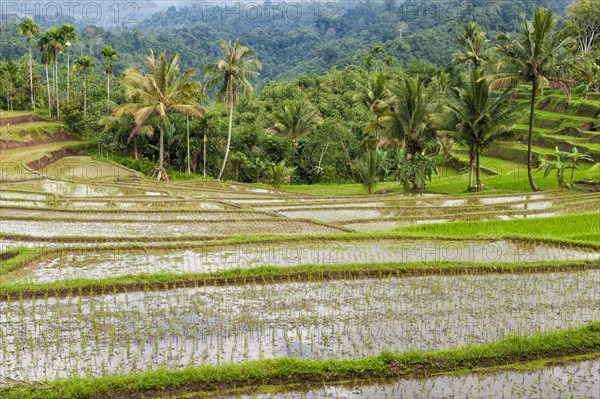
[
  {"x": 281, "y": 274},
  {"x": 569, "y": 228},
  {"x": 513, "y": 349},
  {"x": 15, "y": 257}
]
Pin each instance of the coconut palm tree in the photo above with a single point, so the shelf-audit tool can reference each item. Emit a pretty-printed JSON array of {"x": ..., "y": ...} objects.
[
  {"x": 478, "y": 118},
  {"x": 374, "y": 97},
  {"x": 161, "y": 90},
  {"x": 293, "y": 120},
  {"x": 541, "y": 56},
  {"x": 231, "y": 74},
  {"x": 368, "y": 169},
  {"x": 52, "y": 43},
  {"x": 46, "y": 52},
  {"x": 110, "y": 55},
  {"x": 473, "y": 43},
  {"x": 29, "y": 29},
  {"x": 68, "y": 33},
  {"x": 408, "y": 121},
  {"x": 84, "y": 65}
]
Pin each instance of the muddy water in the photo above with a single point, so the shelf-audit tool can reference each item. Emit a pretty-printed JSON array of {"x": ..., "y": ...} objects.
[
  {"x": 408, "y": 213},
  {"x": 21, "y": 199},
  {"x": 8, "y": 195},
  {"x": 70, "y": 189},
  {"x": 575, "y": 380},
  {"x": 140, "y": 229},
  {"x": 120, "y": 333},
  {"x": 147, "y": 216},
  {"x": 94, "y": 264},
  {"x": 6, "y": 245}
]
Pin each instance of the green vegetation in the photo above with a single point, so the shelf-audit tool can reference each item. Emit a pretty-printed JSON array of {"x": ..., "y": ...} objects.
[
  {"x": 574, "y": 228},
  {"x": 320, "y": 124},
  {"x": 387, "y": 365},
  {"x": 267, "y": 275},
  {"x": 371, "y": 162},
  {"x": 30, "y": 131}
]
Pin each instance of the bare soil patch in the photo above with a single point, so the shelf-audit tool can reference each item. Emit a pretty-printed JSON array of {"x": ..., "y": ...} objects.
[{"x": 55, "y": 156}]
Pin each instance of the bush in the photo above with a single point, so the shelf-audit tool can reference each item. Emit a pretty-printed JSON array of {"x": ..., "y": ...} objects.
[{"x": 143, "y": 165}]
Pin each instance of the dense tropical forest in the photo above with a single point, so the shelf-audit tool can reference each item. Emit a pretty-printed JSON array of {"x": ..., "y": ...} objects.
[{"x": 365, "y": 91}]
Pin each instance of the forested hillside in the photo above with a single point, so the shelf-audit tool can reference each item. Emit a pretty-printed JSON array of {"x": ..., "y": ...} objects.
[
  {"x": 293, "y": 37},
  {"x": 340, "y": 92}
]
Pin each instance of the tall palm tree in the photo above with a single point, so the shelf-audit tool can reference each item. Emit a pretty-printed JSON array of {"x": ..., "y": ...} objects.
[
  {"x": 84, "y": 65},
  {"x": 374, "y": 97},
  {"x": 29, "y": 29},
  {"x": 68, "y": 33},
  {"x": 161, "y": 90},
  {"x": 231, "y": 74},
  {"x": 409, "y": 120},
  {"x": 50, "y": 46},
  {"x": 52, "y": 43},
  {"x": 46, "y": 52},
  {"x": 110, "y": 55},
  {"x": 478, "y": 118},
  {"x": 539, "y": 56},
  {"x": 294, "y": 119},
  {"x": 473, "y": 43}
]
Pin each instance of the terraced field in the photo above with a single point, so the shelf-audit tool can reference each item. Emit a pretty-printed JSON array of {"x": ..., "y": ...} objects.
[{"x": 115, "y": 286}]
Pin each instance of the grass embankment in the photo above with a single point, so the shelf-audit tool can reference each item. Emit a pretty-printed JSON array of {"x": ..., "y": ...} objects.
[
  {"x": 266, "y": 274},
  {"x": 580, "y": 228},
  {"x": 513, "y": 349},
  {"x": 510, "y": 177},
  {"x": 30, "y": 131},
  {"x": 11, "y": 114},
  {"x": 14, "y": 257}
]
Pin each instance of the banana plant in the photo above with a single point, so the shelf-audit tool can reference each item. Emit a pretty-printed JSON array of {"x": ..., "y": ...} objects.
[
  {"x": 575, "y": 157},
  {"x": 560, "y": 163}
]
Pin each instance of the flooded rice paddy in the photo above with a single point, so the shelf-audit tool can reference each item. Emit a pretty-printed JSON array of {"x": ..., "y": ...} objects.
[
  {"x": 74, "y": 264},
  {"x": 119, "y": 333},
  {"x": 574, "y": 380},
  {"x": 166, "y": 229},
  {"x": 125, "y": 215}
]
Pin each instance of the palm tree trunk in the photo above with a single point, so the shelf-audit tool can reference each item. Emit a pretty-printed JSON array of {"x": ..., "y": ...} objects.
[
  {"x": 187, "y": 120},
  {"x": 48, "y": 87},
  {"x": 107, "y": 92},
  {"x": 54, "y": 100},
  {"x": 84, "y": 98},
  {"x": 204, "y": 155},
  {"x": 135, "y": 148},
  {"x": 56, "y": 90},
  {"x": 68, "y": 75},
  {"x": 31, "y": 77},
  {"x": 534, "y": 187},
  {"x": 161, "y": 151},
  {"x": 228, "y": 141},
  {"x": 471, "y": 165},
  {"x": 477, "y": 171}
]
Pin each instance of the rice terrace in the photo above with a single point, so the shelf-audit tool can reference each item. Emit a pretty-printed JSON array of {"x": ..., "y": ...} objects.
[{"x": 393, "y": 207}]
